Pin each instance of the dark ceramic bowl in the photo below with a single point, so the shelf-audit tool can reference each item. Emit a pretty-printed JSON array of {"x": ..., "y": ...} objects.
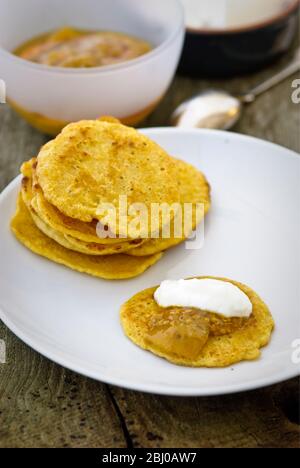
[{"x": 222, "y": 53}]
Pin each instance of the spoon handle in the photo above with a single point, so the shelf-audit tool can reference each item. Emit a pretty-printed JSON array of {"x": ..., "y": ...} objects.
[{"x": 250, "y": 96}]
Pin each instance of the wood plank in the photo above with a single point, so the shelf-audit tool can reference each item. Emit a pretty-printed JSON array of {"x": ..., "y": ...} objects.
[
  {"x": 18, "y": 143},
  {"x": 261, "y": 419},
  {"x": 43, "y": 405}
]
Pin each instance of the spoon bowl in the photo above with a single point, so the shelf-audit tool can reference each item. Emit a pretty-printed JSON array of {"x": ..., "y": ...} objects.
[{"x": 209, "y": 109}]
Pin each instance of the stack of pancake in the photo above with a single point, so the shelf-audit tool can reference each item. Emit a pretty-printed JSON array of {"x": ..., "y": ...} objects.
[{"x": 90, "y": 165}]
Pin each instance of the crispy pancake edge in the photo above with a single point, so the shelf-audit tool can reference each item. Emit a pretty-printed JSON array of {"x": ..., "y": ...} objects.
[{"x": 115, "y": 267}]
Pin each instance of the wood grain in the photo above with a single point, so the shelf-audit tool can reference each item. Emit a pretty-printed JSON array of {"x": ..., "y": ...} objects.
[
  {"x": 260, "y": 419},
  {"x": 43, "y": 405}
]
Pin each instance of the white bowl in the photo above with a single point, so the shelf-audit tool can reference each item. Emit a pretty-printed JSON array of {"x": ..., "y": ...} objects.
[{"x": 50, "y": 97}]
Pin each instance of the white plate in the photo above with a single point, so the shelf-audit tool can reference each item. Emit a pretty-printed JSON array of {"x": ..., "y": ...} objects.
[{"x": 252, "y": 235}]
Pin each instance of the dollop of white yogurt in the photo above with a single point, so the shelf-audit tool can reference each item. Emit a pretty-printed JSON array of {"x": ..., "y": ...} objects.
[{"x": 216, "y": 296}]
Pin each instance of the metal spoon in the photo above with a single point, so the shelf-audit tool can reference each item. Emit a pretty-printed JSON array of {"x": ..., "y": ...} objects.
[{"x": 218, "y": 109}]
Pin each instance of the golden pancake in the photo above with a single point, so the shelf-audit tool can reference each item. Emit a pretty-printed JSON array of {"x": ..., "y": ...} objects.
[
  {"x": 193, "y": 188},
  {"x": 190, "y": 338},
  {"x": 114, "y": 267},
  {"x": 86, "y": 232},
  {"x": 58, "y": 221},
  {"x": 92, "y": 163},
  {"x": 76, "y": 245},
  {"x": 67, "y": 241}
]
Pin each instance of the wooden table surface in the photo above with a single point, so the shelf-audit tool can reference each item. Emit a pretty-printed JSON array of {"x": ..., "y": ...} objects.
[{"x": 44, "y": 405}]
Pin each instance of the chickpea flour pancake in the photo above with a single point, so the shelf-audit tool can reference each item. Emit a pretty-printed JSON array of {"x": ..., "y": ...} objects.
[
  {"x": 194, "y": 189},
  {"x": 66, "y": 240},
  {"x": 113, "y": 267},
  {"x": 192, "y": 337},
  {"x": 86, "y": 232},
  {"x": 92, "y": 163}
]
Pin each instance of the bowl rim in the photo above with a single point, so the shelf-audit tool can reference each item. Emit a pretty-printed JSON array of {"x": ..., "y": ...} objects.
[
  {"x": 176, "y": 31},
  {"x": 289, "y": 10}
]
